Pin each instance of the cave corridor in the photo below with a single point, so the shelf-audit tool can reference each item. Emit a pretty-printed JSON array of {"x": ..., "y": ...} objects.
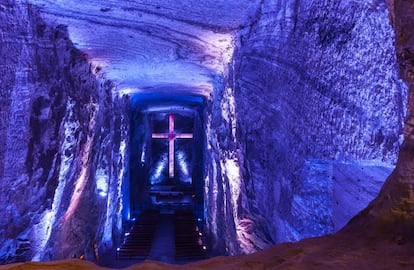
[
  {"x": 166, "y": 179},
  {"x": 150, "y": 157},
  {"x": 182, "y": 131}
]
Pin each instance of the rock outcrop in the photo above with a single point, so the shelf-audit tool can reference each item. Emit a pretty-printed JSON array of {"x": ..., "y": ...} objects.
[
  {"x": 59, "y": 154},
  {"x": 310, "y": 81},
  {"x": 391, "y": 214}
]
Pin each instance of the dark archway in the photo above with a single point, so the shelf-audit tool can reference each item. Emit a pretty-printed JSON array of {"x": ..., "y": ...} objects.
[
  {"x": 166, "y": 169},
  {"x": 149, "y": 157}
]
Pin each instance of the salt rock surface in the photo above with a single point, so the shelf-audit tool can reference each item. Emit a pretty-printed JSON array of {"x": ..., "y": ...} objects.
[{"x": 306, "y": 82}]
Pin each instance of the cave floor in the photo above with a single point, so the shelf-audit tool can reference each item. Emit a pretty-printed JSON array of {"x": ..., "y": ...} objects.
[
  {"x": 162, "y": 249},
  {"x": 340, "y": 251},
  {"x": 163, "y": 244}
]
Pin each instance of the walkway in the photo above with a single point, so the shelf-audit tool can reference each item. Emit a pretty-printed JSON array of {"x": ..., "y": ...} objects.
[
  {"x": 163, "y": 243},
  {"x": 166, "y": 237}
]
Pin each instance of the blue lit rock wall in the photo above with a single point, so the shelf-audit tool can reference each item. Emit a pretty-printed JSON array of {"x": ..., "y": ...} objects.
[
  {"x": 232, "y": 226},
  {"x": 312, "y": 82},
  {"x": 60, "y": 159}
]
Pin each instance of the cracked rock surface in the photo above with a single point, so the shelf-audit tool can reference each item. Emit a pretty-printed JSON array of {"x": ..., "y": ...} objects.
[{"x": 305, "y": 108}]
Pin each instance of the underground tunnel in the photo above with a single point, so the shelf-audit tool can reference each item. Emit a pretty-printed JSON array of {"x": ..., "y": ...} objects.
[
  {"x": 182, "y": 132},
  {"x": 167, "y": 146},
  {"x": 166, "y": 179}
]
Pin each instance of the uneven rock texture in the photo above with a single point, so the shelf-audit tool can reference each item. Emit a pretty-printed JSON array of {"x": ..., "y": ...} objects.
[
  {"x": 328, "y": 252},
  {"x": 391, "y": 214},
  {"x": 59, "y": 160},
  {"x": 310, "y": 94},
  {"x": 310, "y": 80},
  {"x": 379, "y": 238},
  {"x": 154, "y": 45}
]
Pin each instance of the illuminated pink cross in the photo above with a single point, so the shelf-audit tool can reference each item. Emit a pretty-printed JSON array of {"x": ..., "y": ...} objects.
[{"x": 171, "y": 136}]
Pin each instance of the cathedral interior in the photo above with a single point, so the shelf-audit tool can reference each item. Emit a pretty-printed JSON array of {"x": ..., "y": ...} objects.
[{"x": 238, "y": 134}]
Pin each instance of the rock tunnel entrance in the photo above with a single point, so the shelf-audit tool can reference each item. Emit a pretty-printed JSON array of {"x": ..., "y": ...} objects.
[{"x": 166, "y": 178}]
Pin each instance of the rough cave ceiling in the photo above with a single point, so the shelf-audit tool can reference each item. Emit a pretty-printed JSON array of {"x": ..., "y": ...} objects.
[{"x": 153, "y": 45}]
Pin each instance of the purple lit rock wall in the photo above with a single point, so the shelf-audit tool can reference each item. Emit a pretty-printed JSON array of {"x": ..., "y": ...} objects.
[
  {"x": 301, "y": 129},
  {"x": 313, "y": 97},
  {"x": 59, "y": 155}
]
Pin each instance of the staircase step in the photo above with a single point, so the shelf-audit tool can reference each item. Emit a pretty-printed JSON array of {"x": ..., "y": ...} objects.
[{"x": 137, "y": 246}]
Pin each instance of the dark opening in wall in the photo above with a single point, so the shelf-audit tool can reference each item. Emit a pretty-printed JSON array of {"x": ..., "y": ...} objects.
[{"x": 162, "y": 125}]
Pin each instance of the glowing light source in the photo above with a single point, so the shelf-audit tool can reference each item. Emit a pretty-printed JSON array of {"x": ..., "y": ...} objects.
[
  {"x": 183, "y": 164},
  {"x": 127, "y": 91},
  {"x": 101, "y": 183},
  {"x": 171, "y": 136},
  {"x": 157, "y": 177},
  {"x": 143, "y": 154}
]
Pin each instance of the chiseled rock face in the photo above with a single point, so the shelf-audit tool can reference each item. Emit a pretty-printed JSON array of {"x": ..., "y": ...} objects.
[
  {"x": 56, "y": 130},
  {"x": 153, "y": 45},
  {"x": 312, "y": 91},
  {"x": 391, "y": 214},
  {"x": 311, "y": 82}
]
